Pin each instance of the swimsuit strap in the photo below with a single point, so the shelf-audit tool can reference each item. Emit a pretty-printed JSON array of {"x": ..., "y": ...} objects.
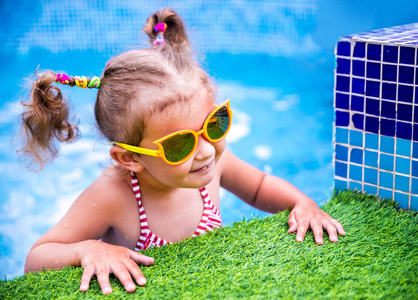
[{"x": 211, "y": 219}]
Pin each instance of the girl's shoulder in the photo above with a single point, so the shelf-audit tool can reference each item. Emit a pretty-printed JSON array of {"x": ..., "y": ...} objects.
[{"x": 109, "y": 189}]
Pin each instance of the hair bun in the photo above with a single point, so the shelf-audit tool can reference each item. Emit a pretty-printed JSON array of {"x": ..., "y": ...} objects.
[{"x": 168, "y": 23}]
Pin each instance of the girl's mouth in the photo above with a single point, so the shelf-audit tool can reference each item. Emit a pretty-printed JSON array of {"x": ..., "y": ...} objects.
[{"x": 205, "y": 168}]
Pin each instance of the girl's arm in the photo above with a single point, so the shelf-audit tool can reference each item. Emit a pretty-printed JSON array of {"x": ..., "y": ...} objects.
[
  {"x": 74, "y": 241},
  {"x": 272, "y": 194}
]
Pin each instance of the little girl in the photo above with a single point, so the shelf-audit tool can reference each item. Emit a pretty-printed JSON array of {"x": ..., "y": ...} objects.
[{"x": 157, "y": 108}]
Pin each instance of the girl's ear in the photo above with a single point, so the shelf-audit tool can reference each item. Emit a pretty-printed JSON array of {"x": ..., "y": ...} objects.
[{"x": 126, "y": 159}]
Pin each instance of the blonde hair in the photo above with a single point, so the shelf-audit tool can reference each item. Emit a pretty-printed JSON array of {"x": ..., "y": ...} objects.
[{"x": 134, "y": 85}]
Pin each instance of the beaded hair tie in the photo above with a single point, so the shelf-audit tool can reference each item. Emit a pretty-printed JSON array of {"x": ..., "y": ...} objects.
[
  {"x": 80, "y": 81},
  {"x": 159, "y": 41}
]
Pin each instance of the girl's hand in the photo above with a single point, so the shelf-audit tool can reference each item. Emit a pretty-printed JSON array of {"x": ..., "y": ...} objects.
[
  {"x": 306, "y": 216},
  {"x": 101, "y": 259}
]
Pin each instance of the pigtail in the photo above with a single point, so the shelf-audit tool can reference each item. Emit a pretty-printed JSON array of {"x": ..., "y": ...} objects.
[
  {"x": 45, "y": 121},
  {"x": 173, "y": 33}
]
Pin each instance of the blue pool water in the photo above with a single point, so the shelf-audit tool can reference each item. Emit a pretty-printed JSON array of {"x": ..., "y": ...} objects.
[{"x": 278, "y": 73}]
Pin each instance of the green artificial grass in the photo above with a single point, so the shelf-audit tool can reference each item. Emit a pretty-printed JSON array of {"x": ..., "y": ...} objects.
[{"x": 258, "y": 259}]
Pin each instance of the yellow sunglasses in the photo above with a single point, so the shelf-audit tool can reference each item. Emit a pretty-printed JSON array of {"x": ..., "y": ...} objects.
[{"x": 178, "y": 146}]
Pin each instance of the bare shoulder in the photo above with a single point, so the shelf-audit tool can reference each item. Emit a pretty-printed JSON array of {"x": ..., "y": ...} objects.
[
  {"x": 110, "y": 192},
  {"x": 95, "y": 211}
]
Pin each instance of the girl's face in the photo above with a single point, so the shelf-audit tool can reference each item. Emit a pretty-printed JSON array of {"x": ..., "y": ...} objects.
[{"x": 199, "y": 169}]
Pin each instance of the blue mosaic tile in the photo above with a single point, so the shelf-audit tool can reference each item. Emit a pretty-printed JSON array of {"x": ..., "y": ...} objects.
[
  {"x": 370, "y": 158},
  {"x": 356, "y": 156},
  {"x": 414, "y": 203},
  {"x": 341, "y": 169},
  {"x": 359, "y": 68},
  {"x": 402, "y": 199},
  {"x": 407, "y": 55},
  {"x": 370, "y": 189},
  {"x": 386, "y": 162},
  {"x": 343, "y": 84},
  {"x": 390, "y": 73},
  {"x": 376, "y": 99},
  {"x": 387, "y": 127},
  {"x": 416, "y": 76},
  {"x": 406, "y": 74},
  {"x": 387, "y": 144},
  {"x": 372, "y": 124},
  {"x": 402, "y": 165},
  {"x": 370, "y": 175},
  {"x": 373, "y": 70},
  {"x": 372, "y": 106},
  {"x": 415, "y": 150},
  {"x": 386, "y": 180},
  {"x": 340, "y": 184},
  {"x": 404, "y": 112},
  {"x": 388, "y": 109},
  {"x": 357, "y": 86},
  {"x": 357, "y": 103},
  {"x": 414, "y": 170},
  {"x": 344, "y": 48},
  {"x": 341, "y": 135},
  {"x": 342, "y": 101},
  {"x": 390, "y": 53},
  {"x": 373, "y": 88},
  {"x": 356, "y": 138},
  {"x": 374, "y": 52},
  {"x": 387, "y": 194},
  {"x": 389, "y": 91},
  {"x": 342, "y": 118},
  {"x": 405, "y": 93},
  {"x": 372, "y": 141},
  {"x": 343, "y": 66},
  {"x": 415, "y": 137},
  {"x": 359, "y": 50},
  {"x": 402, "y": 183},
  {"x": 356, "y": 173},
  {"x": 414, "y": 186},
  {"x": 403, "y": 147},
  {"x": 404, "y": 130},
  {"x": 358, "y": 121},
  {"x": 355, "y": 186},
  {"x": 341, "y": 153}
]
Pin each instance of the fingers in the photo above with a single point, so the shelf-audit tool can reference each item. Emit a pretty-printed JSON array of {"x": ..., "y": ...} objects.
[
  {"x": 301, "y": 230},
  {"x": 339, "y": 227},
  {"x": 318, "y": 232},
  {"x": 332, "y": 231},
  {"x": 124, "y": 269},
  {"x": 103, "y": 279},
  {"x": 123, "y": 273},
  {"x": 293, "y": 224},
  {"x": 317, "y": 223},
  {"x": 88, "y": 273},
  {"x": 140, "y": 258}
]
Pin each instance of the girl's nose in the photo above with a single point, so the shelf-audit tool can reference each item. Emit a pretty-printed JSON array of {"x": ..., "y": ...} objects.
[{"x": 204, "y": 149}]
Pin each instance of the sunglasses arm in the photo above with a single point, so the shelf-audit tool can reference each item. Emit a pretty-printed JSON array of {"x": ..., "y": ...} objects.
[{"x": 137, "y": 149}]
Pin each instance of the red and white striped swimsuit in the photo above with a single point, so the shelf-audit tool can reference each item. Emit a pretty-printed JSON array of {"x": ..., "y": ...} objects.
[{"x": 211, "y": 219}]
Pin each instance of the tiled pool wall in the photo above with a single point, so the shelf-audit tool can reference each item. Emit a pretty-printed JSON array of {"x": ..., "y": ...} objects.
[{"x": 376, "y": 114}]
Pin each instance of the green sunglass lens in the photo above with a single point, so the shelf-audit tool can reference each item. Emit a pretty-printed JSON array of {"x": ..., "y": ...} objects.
[
  {"x": 178, "y": 147},
  {"x": 219, "y": 124}
]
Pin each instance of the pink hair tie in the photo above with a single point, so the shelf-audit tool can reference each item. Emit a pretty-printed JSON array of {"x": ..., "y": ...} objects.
[
  {"x": 159, "y": 41},
  {"x": 160, "y": 27},
  {"x": 62, "y": 78}
]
